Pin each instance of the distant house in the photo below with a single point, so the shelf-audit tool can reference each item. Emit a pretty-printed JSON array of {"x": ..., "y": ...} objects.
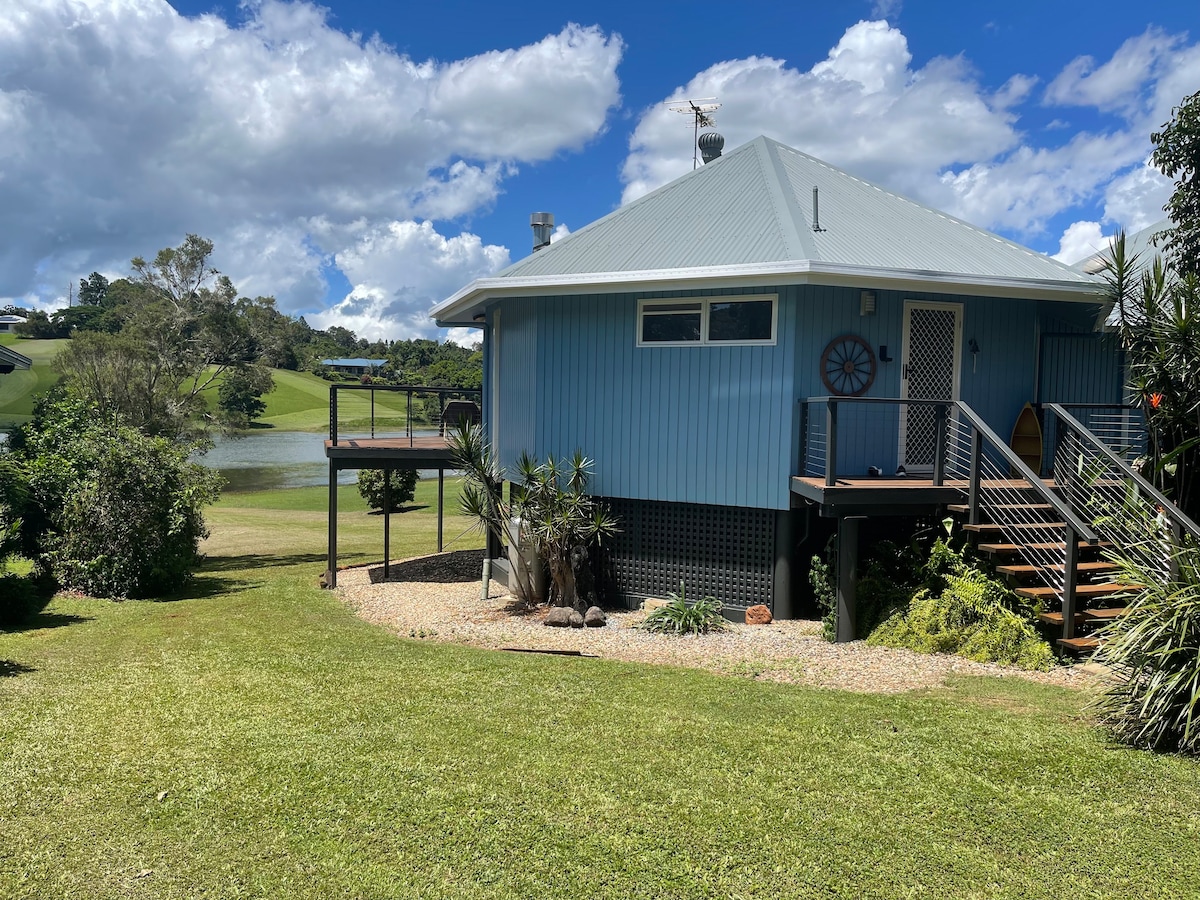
[
  {"x": 9, "y": 322},
  {"x": 357, "y": 366},
  {"x": 688, "y": 340}
]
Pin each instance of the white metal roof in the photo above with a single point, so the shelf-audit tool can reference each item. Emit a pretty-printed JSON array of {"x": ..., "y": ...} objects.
[
  {"x": 1140, "y": 243},
  {"x": 747, "y": 218}
]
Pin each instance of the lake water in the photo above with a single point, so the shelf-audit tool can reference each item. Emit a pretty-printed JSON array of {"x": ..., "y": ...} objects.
[{"x": 270, "y": 460}]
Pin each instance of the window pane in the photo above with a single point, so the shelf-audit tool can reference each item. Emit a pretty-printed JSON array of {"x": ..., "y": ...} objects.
[
  {"x": 671, "y": 327},
  {"x": 740, "y": 321}
]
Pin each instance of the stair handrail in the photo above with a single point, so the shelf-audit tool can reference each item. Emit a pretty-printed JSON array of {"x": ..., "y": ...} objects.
[
  {"x": 1169, "y": 509},
  {"x": 1083, "y": 531}
]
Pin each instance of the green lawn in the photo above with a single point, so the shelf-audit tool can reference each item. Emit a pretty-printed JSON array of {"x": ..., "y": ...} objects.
[
  {"x": 253, "y": 739},
  {"x": 18, "y": 389}
]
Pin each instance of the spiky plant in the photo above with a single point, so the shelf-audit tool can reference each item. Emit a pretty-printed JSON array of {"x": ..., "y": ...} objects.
[
  {"x": 681, "y": 617},
  {"x": 1152, "y": 700}
]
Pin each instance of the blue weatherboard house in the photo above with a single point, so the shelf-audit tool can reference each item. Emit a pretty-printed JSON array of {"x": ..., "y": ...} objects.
[{"x": 690, "y": 343}]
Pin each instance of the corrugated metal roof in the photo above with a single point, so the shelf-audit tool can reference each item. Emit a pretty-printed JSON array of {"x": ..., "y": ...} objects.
[
  {"x": 357, "y": 361},
  {"x": 1140, "y": 242},
  {"x": 12, "y": 358},
  {"x": 747, "y": 219},
  {"x": 754, "y": 205}
]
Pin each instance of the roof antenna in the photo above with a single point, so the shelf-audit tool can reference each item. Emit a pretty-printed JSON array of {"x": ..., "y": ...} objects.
[
  {"x": 816, "y": 212},
  {"x": 699, "y": 111}
]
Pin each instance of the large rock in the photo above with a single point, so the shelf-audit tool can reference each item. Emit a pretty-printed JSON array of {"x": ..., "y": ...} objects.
[
  {"x": 594, "y": 617},
  {"x": 560, "y": 616},
  {"x": 758, "y": 615},
  {"x": 576, "y": 619}
]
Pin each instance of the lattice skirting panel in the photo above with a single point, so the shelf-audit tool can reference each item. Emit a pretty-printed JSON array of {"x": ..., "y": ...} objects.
[{"x": 725, "y": 552}]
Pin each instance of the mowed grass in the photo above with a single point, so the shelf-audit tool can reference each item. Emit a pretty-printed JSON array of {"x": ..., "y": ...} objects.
[
  {"x": 20, "y": 388},
  {"x": 251, "y": 738},
  {"x": 300, "y": 402}
]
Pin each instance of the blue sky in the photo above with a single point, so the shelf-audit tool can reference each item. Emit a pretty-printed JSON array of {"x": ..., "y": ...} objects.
[{"x": 362, "y": 160}]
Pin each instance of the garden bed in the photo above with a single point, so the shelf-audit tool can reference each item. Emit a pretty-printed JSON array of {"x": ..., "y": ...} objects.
[{"x": 438, "y": 598}]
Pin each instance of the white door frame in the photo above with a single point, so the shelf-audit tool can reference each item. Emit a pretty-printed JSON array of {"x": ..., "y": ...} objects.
[{"x": 905, "y": 352}]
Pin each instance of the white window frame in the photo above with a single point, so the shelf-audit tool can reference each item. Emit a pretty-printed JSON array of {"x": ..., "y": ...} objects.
[{"x": 647, "y": 306}]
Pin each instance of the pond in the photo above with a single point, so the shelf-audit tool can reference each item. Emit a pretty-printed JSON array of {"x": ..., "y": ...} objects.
[{"x": 270, "y": 460}]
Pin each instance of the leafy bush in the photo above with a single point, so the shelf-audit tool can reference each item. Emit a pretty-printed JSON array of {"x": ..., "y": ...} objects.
[
  {"x": 1153, "y": 700},
  {"x": 677, "y": 617},
  {"x": 964, "y": 610},
  {"x": 402, "y": 484},
  {"x": 113, "y": 513}
]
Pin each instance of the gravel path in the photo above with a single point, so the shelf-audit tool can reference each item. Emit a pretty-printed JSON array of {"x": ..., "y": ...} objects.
[{"x": 437, "y": 598}]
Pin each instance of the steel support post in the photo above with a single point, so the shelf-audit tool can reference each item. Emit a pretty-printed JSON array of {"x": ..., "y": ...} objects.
[
  {"x": 973, "y": 511},
  {"x": 441, "y": 495},
  {"x": 331, "y": 571},
  {"x": 387, "y": 520},
  {"x": 1070, "y": 577},
  {"x": 847, "y": 587},
  {"x": 830, "y": 443},
  {"x": 781, "y": 588}
]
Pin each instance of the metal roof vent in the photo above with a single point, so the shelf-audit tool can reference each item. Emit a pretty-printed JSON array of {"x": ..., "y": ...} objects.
[
  {"x": 711, "y": 145},
  {"x": 543, "y": 227}
]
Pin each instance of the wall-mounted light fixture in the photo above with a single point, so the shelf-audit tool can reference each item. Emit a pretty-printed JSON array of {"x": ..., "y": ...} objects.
[
  {"x": 973, "y": 346},
  {"x": 866, "y": 303},
  {"x": 479, "y": 317}
]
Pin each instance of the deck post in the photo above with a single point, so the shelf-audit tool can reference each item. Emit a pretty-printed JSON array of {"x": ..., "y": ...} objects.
[
  {"x": 973, "y": 511},
  {"x": 1070, "y": 577},
  {"x": 441, "y": 490},
  {"x": 387, "y": 520},
  {"x": 830, "y": 442},
  {"x": 847, "y": 587},
  {"x": 331, "y": 571},
  {"x": 781, "y": 588},
  {"x": 939, "y": 453}
]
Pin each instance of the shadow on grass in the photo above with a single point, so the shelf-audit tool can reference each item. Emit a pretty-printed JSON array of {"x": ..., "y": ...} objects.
[
  {"x": 10, "y": 668},
  {"x": 41, "y": 620},
  {"x": 203, "y": 586},
  {"x": 399, "y": 510},
  {"x": 256, "y": 561}
]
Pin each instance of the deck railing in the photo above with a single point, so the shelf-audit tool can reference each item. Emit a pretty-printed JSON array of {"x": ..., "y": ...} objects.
[
  {"x": 1093, "y": 473},
  {"x": 996, "y": 482},
  {"x": 402, "y": 410}
]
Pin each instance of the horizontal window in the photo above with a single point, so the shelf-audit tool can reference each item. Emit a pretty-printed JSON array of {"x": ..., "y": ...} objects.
[{"x": 710, "y": 320}]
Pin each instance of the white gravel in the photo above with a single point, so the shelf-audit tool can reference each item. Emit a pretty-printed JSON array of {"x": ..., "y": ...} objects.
[{"x": 438, "y": 598}]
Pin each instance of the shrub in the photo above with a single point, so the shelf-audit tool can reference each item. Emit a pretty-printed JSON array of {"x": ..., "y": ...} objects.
[
  {"x": 1153, "y": 699},
  {"x": 964, "y": 610},
  {"x": 113, "y": 513},
  {"x": 677, "y": 617},
  {"x": 402, "y": 485}
]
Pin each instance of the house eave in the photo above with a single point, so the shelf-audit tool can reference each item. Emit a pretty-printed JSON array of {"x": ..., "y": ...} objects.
[{"x": 461, "y": 307}]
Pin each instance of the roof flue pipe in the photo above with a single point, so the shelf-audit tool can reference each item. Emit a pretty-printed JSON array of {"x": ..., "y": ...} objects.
[{"x": 543, "y": 227}]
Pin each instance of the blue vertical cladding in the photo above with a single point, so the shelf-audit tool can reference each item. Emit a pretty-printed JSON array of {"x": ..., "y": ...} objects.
[
  {"x": 720, "y": 425},
  {"x": 702, "y": 424},
  {"x": 516, "y": 342}
]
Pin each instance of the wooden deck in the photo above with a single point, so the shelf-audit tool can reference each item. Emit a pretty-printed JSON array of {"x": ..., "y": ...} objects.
[
  {"x": 887, "y": 496},
  {"x": 425, "y": 452}
]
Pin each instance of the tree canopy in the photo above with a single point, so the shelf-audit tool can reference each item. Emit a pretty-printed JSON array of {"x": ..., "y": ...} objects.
[{"x": 1177, "y": 154}]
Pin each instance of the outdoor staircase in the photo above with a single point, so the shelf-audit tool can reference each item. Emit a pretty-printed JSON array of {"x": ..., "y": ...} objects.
[
  {"x": 1049, "y": 537},
  {"x": 1099, "y": 597}
]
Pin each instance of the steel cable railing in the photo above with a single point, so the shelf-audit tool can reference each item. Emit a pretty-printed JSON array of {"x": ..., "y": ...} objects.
[{"x": 1098, "y": 481}]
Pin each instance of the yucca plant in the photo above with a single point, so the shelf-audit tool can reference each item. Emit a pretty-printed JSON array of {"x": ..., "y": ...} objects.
[
  {"x": 678, "y": 617},
  {"x": 1153, "y": 698}
]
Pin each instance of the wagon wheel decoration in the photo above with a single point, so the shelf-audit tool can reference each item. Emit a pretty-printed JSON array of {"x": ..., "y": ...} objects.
[{"x": 848, "y": 366}]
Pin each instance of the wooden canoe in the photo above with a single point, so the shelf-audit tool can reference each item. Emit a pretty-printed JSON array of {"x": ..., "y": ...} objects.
[{"x": 1026, "y": 439}]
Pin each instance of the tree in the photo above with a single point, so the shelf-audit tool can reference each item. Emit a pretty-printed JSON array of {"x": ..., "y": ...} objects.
[
  {"x": 182, "y": 331},
  {"x": 92, "y": 290},
  {"x": 1177, "y": 155},
  {"x": 402, "y": 487},
  {"x": 239, "y": 398},
  {"x": 112, "y": 512}
]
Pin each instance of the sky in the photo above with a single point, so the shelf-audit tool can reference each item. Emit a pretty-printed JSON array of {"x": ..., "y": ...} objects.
[{"x": 361, "y": 160}]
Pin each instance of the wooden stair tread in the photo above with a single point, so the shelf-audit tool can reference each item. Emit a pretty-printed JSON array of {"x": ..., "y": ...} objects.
[
  {"x": 1081, "y": 590},
  {"x": 1093, "y": 616},
  {"x": 1081, "y": 644},
  {"x": 1016, "y": 548},
  {"x": 966, "y": 508},
  {"x": 991, "y": 526},
  {"x": 1086, "y": 567}
]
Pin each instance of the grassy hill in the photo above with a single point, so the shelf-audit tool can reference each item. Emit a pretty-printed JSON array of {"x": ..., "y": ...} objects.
[{"x": 18, "y": 389}]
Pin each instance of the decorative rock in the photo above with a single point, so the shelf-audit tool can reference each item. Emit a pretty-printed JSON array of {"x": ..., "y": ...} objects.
[
  {"x": 560, "y": 616},
  {"x": 576, "y": 620},
  {"x": 758, "y": 615},
  {"x": 594, "y": 617}
]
